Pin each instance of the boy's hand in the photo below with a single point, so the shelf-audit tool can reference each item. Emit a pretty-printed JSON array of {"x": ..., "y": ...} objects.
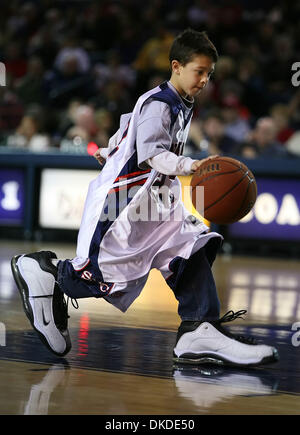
[
  {"x": 98, "y": 157},
  {"x": 197, "y": 163}
]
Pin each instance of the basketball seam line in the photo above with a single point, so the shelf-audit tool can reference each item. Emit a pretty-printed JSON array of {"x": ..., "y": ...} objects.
[
  {"x": 240, "y": 166},
  {"x": 245, "y": 196},
  {"x": 226, "y": 193},
  {"x": 215, "y": 175}
]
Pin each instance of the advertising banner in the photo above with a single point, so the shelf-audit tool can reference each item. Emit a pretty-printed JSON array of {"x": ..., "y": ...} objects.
[
  {"x": 276, "y": 213},
  {"x": 12, "y": 197}
]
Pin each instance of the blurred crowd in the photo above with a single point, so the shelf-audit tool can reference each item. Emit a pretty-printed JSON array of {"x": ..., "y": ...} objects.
[{"x": 73, "y": 67}]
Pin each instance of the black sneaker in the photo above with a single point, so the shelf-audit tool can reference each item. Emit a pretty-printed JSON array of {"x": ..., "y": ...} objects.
[{"x": 43, "y": 301}]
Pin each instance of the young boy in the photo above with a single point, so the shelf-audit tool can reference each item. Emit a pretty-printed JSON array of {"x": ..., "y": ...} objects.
[{"x": 116, "y": 251}]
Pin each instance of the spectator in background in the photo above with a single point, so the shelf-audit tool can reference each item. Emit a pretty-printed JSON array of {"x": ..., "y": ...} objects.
[
  {"x": 128, "y": 43},
  {"x": 225, "y": 70},
  {"x": 153, "y": 54},
  {"x": 28, "y": 18},
  {"x": 212, "y": 137},
  {"x": 113, "y": 70},
  {"x": 15, "y": 61},
  {"x": 105, "y": 124},
  {"x": 294, "y": 110},
  {"x": 45, "y": 46},
  {"x": 71, "y": 49},
  {"x": 278, "y": 69},
  {"x": 205, "y": 102},
  {"x": 197, "y": 144},
  {"x": 11, "y": 109},
  {"x": 67, "y": 119},
  {"x": 232, "y": 47},
  {"x": 264, "y": 38},
  {"x": 281, "y": 116},
  {"x": 261, "y": 142},
  {"x": 55, "y": 21},
  {"x": 115, "y": 98},
  {"x": 106, "y": 53},
  {"x": 253, "y": 85},
  {"x": 30, "y": 134},
  {"x": 236, "y": 126},
  {"x": 67, "y": 82},
  {"x": 88, "y": 125},
  {"x": 85, "y": 126},
  {"x": 153, "y": 57},
  {"x": 30, "y": 87},
  {"x": 99, "y": 22},
  {"x": 293, "y": 144}
]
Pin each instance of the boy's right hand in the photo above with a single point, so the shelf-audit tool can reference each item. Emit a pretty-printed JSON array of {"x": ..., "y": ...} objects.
[{"x": 197, "y": 163}]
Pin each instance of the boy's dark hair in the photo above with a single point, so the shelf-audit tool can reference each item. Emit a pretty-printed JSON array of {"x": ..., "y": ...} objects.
[{"x": 190, "y": 43}]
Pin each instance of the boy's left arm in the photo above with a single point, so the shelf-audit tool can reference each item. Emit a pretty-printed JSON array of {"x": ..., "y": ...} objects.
[{"x": 101, "y": 154}]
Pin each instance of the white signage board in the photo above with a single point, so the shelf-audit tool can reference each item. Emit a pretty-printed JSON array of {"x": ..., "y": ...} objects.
[{"x": 62, "y": 197}]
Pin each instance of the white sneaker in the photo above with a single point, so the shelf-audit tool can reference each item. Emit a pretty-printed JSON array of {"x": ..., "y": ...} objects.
[
  {"x": 209, "y": 342},
  {"x": 43, "y": 301}
]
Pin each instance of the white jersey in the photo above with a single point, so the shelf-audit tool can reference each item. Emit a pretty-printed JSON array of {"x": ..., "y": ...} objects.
[{"x": 134, "y": 219}]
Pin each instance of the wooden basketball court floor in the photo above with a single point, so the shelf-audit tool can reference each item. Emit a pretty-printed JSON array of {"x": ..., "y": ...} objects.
[{"x": 121, "y": 364}]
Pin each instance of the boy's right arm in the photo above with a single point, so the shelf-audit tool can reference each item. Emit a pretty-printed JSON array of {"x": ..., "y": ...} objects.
[
  {"x": 197, "y": 163},
  {"x": 168, "y": 163},
  {"x": 154, "y": 143}
]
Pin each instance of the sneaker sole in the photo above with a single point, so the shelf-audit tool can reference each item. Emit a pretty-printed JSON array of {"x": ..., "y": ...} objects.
[
  {"x": 24, "y": 293},
  {"x": 211, "y": 359}
]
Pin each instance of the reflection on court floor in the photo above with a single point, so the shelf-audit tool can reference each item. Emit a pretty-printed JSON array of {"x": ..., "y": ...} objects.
[
  {"x": 122, "y": 363},
  {"x": 265, "y": 292}
]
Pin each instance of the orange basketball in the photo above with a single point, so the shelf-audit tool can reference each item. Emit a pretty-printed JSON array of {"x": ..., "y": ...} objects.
[{"x": 230, "y": 190}]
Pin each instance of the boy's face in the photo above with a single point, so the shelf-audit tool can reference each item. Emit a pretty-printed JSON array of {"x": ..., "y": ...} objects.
[{"x": 191, "y": 78}]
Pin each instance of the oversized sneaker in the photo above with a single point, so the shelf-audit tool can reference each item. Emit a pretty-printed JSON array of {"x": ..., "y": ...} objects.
[
  {"x": 209, "y": 342},
  {"x": 43, "y": 301}
]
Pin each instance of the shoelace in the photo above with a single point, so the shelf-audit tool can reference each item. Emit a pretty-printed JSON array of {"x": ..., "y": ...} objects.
[
  {"x": 74, "y": 303},
  {"x": 229, "y": 317},
  {"x": 62, "y": 308}
]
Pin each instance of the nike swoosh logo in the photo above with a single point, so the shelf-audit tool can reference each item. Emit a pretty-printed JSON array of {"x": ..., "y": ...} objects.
[{"x": 45, "y": 322}]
